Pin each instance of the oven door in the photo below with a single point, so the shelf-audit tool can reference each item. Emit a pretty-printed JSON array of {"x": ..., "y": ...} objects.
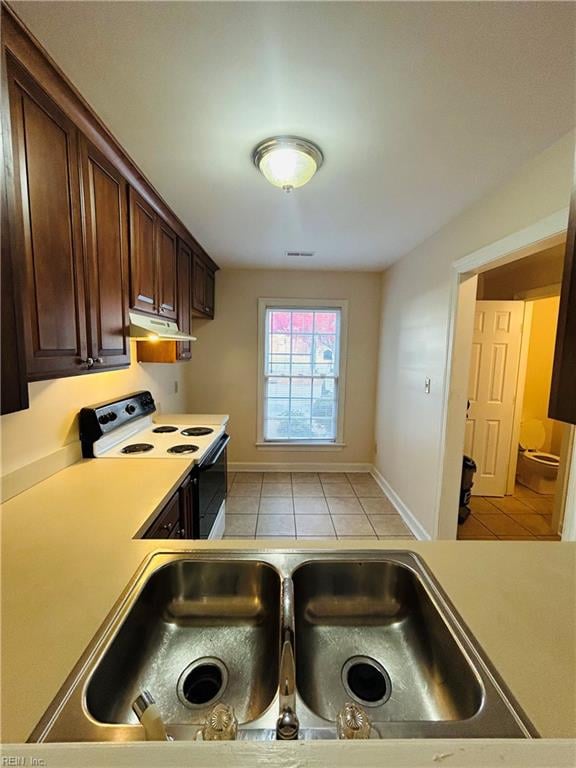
[{"x": 212, "y": 477}]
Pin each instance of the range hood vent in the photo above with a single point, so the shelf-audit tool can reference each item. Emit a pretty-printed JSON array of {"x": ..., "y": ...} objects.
[{"x": 144, "y": 328}]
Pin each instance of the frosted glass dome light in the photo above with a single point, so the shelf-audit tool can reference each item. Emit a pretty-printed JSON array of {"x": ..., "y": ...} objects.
[{"x": 287, "y": 162}]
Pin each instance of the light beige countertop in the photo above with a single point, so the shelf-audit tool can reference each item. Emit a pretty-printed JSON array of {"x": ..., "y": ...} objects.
[{"x": 68, "y": 553}]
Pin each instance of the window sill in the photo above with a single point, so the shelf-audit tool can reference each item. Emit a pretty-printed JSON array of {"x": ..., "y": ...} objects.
[{"x": 294, "y": 446}]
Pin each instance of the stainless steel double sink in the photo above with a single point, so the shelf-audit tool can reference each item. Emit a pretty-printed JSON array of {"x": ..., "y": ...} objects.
[{"x": 374, "y": 628}]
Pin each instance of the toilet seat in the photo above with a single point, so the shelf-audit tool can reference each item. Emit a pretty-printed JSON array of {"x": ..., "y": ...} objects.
[{"x": 549, "y": 459}]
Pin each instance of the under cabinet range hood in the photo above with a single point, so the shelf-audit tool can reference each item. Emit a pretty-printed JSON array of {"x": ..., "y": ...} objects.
[{"x": 144, "y": 328}]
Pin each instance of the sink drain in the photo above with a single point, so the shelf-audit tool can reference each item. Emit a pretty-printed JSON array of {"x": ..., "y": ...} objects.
[
  {"x": 202, "y": 682},
  {"x": 366, "y": 681}
]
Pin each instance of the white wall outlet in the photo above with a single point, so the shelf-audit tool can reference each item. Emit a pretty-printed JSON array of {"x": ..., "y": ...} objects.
[{"x": 427, "y": 385}]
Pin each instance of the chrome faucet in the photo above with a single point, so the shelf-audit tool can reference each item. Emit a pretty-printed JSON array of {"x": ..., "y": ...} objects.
[{"x": 287, "y": 725}]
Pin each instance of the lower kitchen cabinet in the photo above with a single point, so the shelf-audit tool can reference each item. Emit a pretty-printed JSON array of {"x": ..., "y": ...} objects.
[{"x": 174, "y": 521}]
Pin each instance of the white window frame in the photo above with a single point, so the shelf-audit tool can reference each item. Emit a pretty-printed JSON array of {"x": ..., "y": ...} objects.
[{"x": 307, "y": 444}]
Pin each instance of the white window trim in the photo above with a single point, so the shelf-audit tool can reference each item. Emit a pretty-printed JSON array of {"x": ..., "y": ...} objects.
[{"x": 342, "y": 305}]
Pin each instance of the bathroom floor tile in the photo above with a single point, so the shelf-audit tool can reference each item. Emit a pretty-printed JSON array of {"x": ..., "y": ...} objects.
[
  {"x": 473, "y": 529},
  {"x": 543, "y": 505},
  {"x": 522, "y": 491},
  {"x": 352, "y": 525},
  {"x": 240, "y": 525},
  {"x": 242, "y": 505},
  {"x": 343, "y": 506},
  {"x": 501, "y": 525},
  {"x": 509, "y": 504},
  {"x": 314, "y": 525},
  {"x": 276, "y": 505},
  {"x": 310, "y": 506},
  {"x": 276, "y": 525},
  {"x": 537, "y": 524},
  {"x": 481, "y": 504}
]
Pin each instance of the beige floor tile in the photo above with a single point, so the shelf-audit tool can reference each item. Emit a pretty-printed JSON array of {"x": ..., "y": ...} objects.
[
  {"x": 543, "y": 505},
  {"x": 276, "y": 525},
  {"x": 277, "y": 489},
  {"x": 352, "y": 525},
  {"x": 481, "y": 504},
  {"x": 334, "y": 477},
  {"x": 277, "y": 477},
  {"x": 310, "y": 506},
  {"x": 522, "y": 491},
  {"x": 317, "y": 538},
  {"x": 501, "y": 525},
  {"x": 473, "y": 529},
  {"x": 305, "y": 477},
  {"x": 357, "y": 477},
  {"x": 249, "y": 477},
  {"x": 232, "y": 536},
  {"x": 358, "y": 537},
  {"x": 314, "y": 525},
  {"x": 276, "y": 505},
  {"x": 242, "y": 505},
  {"x": 231, "y": 477},
  {"x": 307, "y": 489},
  {"x": 537, "y": 524},
  {"x": 280, "y": 538},
  {"x": 342, "y": 506},
  {"x": 378, "y": 506},
  {"x": 509, "y": 504},
  {"x": 245, "y": 489},
  {"x": 386, "y": 525},
  {"x": 337, "y": 488},
  {"x": 403, "y": 536},
  {"x": 240, "y": 525},
  {"x": 367, "y": 489}
]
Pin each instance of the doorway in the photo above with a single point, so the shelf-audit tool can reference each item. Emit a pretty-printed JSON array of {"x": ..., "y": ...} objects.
[{"x": 473, "y": 282}]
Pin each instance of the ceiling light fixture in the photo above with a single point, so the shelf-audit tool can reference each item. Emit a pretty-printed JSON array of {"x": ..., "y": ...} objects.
[{"x": 287, "y": 162}]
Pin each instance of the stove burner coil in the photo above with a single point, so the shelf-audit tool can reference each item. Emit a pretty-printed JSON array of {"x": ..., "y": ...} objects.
[
  {"x": 137, "y": 448},
  {"x": 196, "y": 431},
  {"x": 183, "y": 449},
  {"x": 164, "y": 429}
]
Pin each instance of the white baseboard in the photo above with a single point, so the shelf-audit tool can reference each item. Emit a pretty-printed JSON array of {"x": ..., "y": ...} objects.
[
  {"x": 295, "y": 466},
  {"x": 401, "y": 508}
]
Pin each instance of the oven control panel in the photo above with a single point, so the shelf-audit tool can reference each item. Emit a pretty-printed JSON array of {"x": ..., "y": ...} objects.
[{"x": 99, "y": 420}]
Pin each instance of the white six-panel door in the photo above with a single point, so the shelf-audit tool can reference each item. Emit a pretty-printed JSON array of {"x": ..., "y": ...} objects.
[{"x": 492, "y": 392}]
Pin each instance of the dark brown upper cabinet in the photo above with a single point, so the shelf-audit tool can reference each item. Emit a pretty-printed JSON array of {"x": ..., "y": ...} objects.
[
  {"x": 203, "y": 287},
  {"x": 143, "y": 260},
  {"x": 153, "y": 261},
  {"x": 105, "y": 219},
  {"x": 47, "y": 211},
  {"x": 184, "y": 348},
  {"x": 167, "y": 271},
  {"x": 563, "y": 389}
]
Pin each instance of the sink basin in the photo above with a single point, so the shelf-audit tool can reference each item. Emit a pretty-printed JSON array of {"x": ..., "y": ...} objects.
[
  {"x": 368, "y": 631},
  {"x": 198, "y": 632},
  {"x": 198, "y": 628}
]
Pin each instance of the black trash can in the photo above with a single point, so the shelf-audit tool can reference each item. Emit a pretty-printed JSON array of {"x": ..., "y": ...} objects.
[{"x": 468, "y": 470}]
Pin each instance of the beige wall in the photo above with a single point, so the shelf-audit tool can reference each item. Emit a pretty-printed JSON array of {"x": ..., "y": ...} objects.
[
  {"x": 223, "y": 376},
  {"x": 539, "y": 371},
  {"x": 414, "y": 325},
  {"x": 50, "y": 423},
  {"x": 542, "y": 270}
]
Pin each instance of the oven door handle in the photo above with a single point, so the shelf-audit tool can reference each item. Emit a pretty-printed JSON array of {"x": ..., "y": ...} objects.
[{"x": 212, "y": 458}]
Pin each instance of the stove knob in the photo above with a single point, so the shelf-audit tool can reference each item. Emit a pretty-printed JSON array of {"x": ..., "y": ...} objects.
[
  {"x": 112, "y": 416},
  {"x": 104, "y": 419},
  {"x": 130, "y": 409}
]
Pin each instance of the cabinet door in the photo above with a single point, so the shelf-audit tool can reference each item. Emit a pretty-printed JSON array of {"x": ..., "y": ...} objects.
[
  {"x": 563, "y": 390},
  {"x": 143, "y": 257},
  {"x": 167, "y": 270},
  {"x": 105, "y": 221},
  {"x": 209, "y": 292},
  {"x": 13, "y": 367},
  {"x": 199, "y": 285},
  {"x": 47, "y": 211},
  {"x": 184, "y": 348}
]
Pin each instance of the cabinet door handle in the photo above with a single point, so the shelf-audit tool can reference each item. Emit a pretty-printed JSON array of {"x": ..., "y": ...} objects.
[
  {"x": 99, "y": 360},
  {"x": 87, "y": 362}
]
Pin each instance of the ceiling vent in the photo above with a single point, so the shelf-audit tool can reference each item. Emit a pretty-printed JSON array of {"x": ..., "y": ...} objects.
[{"x": 299, "y": 254}]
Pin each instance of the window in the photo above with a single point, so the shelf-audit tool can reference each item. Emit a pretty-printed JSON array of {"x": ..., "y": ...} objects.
[{"x": 301, "y": 373}]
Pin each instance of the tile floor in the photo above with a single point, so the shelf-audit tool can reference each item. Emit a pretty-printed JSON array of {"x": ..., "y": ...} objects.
[
  {"x": 524, "y": 516},
  {"x": 310, "y": 505}
]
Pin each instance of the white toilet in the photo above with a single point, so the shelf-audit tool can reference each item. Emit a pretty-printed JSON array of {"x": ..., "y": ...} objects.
[{"x": 536, "y": 469}]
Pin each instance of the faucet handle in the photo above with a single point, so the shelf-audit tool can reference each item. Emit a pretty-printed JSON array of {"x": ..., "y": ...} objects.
[
  {"x": 221, "y": 724},
  {"x": 352, "y": 722}
]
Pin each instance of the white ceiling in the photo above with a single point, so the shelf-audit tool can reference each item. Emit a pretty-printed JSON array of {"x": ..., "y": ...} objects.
[{"x": 420, "y": 109}]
